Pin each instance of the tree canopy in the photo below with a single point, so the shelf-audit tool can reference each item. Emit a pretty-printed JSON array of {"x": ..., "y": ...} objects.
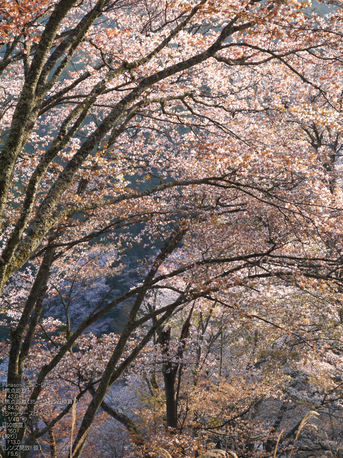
[{"x": 203, "y": 136}]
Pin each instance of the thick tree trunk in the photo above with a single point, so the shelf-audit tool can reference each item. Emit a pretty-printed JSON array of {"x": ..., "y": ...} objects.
[
  {"x": 171, "y": 369},
  {"x": 171, "y": 404},
  {"x": 169, "y": 375}
]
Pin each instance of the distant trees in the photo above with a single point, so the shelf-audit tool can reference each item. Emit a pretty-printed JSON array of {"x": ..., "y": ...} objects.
[
  {"x": 246, "y": 382},
  {"x": 208, "y": 132}
]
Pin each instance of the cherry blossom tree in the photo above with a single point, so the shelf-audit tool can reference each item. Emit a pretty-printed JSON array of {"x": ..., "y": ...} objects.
[
  {"x": 209, "y": 132},
  {"x": 245, "y": 380}
]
